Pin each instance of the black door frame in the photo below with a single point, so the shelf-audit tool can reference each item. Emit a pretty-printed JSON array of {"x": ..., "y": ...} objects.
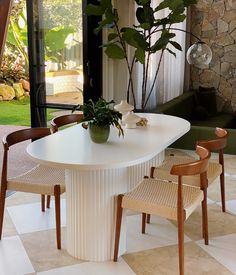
[{"x": 92, "y": 62}]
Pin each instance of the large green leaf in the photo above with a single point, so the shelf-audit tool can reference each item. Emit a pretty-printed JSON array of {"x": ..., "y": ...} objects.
[
  {"x": 145, "y": 15},
  {"x": 106, "y": 4},
  {"x": 174, "y": 5},
  {"x": 176, "y": 45},
  {"x": 142, "y": 2},
  {"x": 176, "y": 18},
  {"x": 112, "y": 36},
  {"x": 115, "y": 51},
  {"x": 134, "y": 38},
  {"x": 189, "y": 2},
  {"x": 55, "y": 38},
  {"x": 171, "y": 52},
  {"x": 162, "y": 42},
  {"x": 140, "y": 55}
]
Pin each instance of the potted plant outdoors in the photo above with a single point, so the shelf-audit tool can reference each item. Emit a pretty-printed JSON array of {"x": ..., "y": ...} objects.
[
  {"x": 140, "y": 37},
  {"x": 98, "y": 116}
]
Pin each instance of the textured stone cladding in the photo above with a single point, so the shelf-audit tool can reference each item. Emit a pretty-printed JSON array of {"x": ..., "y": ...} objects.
[{"x": 214, "y": 21}]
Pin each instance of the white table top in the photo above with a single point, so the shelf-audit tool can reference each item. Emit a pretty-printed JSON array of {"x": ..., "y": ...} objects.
[{"x": 72, "y": 148}]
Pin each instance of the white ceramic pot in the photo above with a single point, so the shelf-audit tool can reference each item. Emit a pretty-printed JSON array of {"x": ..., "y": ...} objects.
[
  {"x": 130, "y": 120},
  {"x": 123, "y": 107}
]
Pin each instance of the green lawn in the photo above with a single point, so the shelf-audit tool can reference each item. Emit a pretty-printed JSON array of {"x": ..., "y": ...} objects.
[{"x": 17, "y": 112}]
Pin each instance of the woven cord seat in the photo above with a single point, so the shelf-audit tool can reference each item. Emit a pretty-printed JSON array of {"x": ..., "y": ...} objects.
[
  {"x": 39, "y": 180},
  {"x": 163, "y": 171},
  {"x": 171, "y": 200},
  {"x": 147, "y": 198}
]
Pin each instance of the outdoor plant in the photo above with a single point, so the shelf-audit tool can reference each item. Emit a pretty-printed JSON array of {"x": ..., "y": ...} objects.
[
  {"x": 141, "y": 37},
  {"x": 100, "y": 113},
  {"x": 12, "y": 69}
]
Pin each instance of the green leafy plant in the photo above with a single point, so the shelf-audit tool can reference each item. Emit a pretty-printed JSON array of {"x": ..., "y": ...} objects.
[
  {"x": 140, "y": 37},
  {"x": 55, "y": 42},
  {"x": 99, "y": 113},
  {"x": 12, "y": 69}
]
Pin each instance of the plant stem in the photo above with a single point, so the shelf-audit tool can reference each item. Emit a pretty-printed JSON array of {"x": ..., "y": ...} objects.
[
  {"x": 130, "y": 78},
  {"x": 147, "y": 69},
  {"x": 154, "y": 81},
  {"x": 130, "y": 68}
]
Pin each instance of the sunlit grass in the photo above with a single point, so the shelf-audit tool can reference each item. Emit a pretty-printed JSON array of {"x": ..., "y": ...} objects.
[{"x": 17, "y": 112}]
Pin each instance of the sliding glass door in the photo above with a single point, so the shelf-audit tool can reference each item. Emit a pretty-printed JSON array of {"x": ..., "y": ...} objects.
[{"x": 65, "y": 61}]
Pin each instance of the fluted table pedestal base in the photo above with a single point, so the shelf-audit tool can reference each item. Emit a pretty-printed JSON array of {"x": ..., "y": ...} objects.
[{"x": 91, "y": 209}]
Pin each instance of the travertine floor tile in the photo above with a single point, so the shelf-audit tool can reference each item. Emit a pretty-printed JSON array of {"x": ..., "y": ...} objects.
[
  {"x": 230, "y": 189},
  {"x": 42, "y": 251},
  {"x": 8, "y": 226},
  {"x": 219, "y": 223},
  {"x": 164, "y": 261},
  {"x": 223, "y": 249}
]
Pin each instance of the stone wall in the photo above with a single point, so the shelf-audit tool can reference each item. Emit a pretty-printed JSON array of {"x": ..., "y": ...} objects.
[{"x": 214, "y": 21}]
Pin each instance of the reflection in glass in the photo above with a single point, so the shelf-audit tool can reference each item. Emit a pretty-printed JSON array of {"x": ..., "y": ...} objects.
[{"x": 63, "y": 51}]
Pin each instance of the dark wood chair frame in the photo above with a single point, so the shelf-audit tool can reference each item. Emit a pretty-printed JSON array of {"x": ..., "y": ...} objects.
[
  {"x": 218, "y": 145},
  {"x": 193, "y": 168},
  {"x": 63, "y": 120},
  {"x": 8, "y": 141}
]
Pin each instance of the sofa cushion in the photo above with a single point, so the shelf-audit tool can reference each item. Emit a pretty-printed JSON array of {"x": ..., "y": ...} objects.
[
  {"x": 200, "y": 113},
  {"x": 206, "y": 97}
]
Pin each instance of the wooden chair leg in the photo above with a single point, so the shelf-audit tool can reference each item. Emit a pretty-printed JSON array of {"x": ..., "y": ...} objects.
[
  {"x": 148, "y": 218},
  {"x": 43, "y": 203},
  {"x": 181, "y": 244},
  {"x": 48, "y": 201},
  {"x": 118, "y": 226},
  {"x": 222, "y": 189},
  {"x": 205, "y": 218},
  {"x": 2, "y": 206},
  {"x": 57, "y": 194},
  {"x": 203, "y": 228},
  {"x": 143, "y": 223}
]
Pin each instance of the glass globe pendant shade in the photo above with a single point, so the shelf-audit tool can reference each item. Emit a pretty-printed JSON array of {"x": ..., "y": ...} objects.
[{"x": 199, "y": 54}]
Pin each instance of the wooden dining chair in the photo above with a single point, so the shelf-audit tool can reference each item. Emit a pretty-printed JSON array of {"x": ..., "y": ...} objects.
[
  {"x": 39, "y": 180},
  {"x": 170, "y": 200},
  {"x": 63, "y": 120},
  {"x": 214, "y": 170}
]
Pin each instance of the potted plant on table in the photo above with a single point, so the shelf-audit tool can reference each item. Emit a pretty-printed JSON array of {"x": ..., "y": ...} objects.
[{"x": 98, "y": 117}]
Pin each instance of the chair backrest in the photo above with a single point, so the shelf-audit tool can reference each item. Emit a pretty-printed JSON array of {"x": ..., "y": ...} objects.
[
  {"x": 216, "y": 144},
  {"x": 16, "y": 137},
  {"x": 192, "y": 168},
  {"x": 195, "y": 167},
  {"x": 59, "y": 121}
]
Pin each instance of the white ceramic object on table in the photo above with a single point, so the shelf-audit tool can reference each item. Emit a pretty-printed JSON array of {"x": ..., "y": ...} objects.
[
  {"x": 130, "y": 120},
  {"x": 124, "y": 107}
]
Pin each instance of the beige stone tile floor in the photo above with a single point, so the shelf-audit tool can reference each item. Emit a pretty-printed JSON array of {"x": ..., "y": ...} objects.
[{"x": 46, "y": 259}]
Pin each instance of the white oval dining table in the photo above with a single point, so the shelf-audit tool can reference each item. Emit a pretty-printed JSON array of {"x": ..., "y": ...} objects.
[{"x": 96, "y": 173}]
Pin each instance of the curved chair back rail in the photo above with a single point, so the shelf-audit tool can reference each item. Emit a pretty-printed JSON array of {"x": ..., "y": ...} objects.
[
  {"x": 63, "y": 120},
  {"x": 193, "y": 168},
  {"x": 216, "y": 144},
  {"x": 39, "y": 180}
]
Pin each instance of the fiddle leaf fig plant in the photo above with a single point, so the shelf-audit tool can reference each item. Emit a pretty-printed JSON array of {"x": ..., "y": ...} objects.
[{"x": 141, "y": 37}]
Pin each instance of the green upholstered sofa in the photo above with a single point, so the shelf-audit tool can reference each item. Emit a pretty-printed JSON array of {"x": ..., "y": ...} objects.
[{"x": 184, "y": 106}]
